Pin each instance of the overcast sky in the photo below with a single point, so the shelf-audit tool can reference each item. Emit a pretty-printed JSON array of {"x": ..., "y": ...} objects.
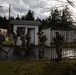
[{"x": 40, "y": 7}]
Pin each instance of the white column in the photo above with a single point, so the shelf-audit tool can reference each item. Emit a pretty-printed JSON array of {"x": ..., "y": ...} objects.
[
  {"x": 36, "y": 36},
  {"x": 26, "y": 30},
  {"x": 14, "y": 28}
]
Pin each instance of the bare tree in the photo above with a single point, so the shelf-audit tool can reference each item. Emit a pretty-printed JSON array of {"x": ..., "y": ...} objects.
[
  {"x": 71, "y": 3},
  {"x": 64, "y": 3}
]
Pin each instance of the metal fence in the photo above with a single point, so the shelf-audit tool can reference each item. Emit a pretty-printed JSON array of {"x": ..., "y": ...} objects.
[{"x": 69, "y": 46}]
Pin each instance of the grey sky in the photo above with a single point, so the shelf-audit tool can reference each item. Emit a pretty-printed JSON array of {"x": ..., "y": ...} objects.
[{"x": 21, "y": 7}]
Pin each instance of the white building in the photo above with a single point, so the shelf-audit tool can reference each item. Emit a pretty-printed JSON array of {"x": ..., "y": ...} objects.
[
  {"x": 4, "y": 32},
  {"x": 69, "y": 35},
  {"x": 28, "y": 26}
]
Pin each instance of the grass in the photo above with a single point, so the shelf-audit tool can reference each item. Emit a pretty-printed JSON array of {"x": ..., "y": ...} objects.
[
  {"x": 9, "y": 42},
  {"x": 37, "y": 67}
]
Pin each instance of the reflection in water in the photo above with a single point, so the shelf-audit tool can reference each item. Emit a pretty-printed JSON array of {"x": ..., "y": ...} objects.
[
  {"x": 68, "y": 53},
  {"x": 49, "y": 53}
]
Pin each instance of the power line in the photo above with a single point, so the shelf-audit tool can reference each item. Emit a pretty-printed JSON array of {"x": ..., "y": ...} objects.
[
  {"x": 72, "y": 3},
  {"x": 59, "y": 6}
]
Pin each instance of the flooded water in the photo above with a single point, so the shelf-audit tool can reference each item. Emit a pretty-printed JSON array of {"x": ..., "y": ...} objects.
[{"x": 49, "y": 53}]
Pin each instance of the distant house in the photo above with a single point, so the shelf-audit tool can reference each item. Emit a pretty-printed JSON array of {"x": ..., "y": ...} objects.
[
  {"x": 69, "y": 35},
  {"x": 4, "y": 32},
  {"x": 30, "y": 27}
]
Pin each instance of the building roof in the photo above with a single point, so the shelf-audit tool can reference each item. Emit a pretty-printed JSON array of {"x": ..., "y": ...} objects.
[{"x": 24, "y": 22}]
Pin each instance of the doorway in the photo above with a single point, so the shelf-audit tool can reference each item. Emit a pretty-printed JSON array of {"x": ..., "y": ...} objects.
[{"x": 31, "y": 31}]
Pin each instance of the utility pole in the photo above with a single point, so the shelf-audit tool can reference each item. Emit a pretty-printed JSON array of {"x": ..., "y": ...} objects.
[{"x": 9, "y": 17}]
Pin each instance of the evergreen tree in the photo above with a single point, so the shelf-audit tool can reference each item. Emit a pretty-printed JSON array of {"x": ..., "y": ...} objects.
[
  {"x": 66, "y": 19},
  {"x": 40, "y": 26},
  {"x": 38, "y": 19},
  {"x": 54, "y": 19},
  {"x": 30, "y": 16},
  {"x": 1, "y": 21},
  {"x": 12, "y": 18},
  {"x": 60, "y": 19},
  {"x": 44, "y": 23},
  {"x": 17, "y": 18},
  {"x": 23, "y": 18},
  {"x": 4, "y": 22}
]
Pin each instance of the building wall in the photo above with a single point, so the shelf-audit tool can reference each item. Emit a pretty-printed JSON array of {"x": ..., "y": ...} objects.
[
  {"x": 47, "y": 33},
  {"x": 69, "y": 35},
  {"x": 26, "y": 29}
]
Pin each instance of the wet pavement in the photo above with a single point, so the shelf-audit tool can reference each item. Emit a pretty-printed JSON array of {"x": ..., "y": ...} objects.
[
  {"x": 13, "y": 55},
  {"x": 49, "y": 53}
]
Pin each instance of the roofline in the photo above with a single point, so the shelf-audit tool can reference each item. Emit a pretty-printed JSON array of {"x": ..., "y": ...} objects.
[{"x": 24, "y": 22}]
